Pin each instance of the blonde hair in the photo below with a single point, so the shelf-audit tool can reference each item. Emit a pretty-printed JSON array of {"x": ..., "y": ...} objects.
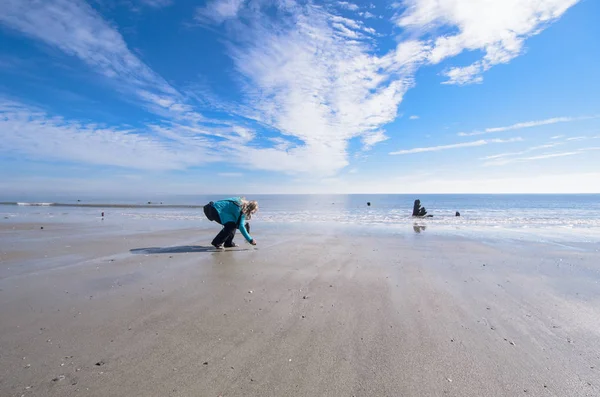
[{"x": 249, "y": 207}]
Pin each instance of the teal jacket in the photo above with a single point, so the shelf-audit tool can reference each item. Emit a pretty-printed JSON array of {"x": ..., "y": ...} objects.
[{"x": 230, "y": 210}]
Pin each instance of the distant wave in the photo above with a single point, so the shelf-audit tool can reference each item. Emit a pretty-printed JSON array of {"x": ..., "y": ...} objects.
[
  {"x": 100, "y": 205},
  {"x": 33, "y": 204}
]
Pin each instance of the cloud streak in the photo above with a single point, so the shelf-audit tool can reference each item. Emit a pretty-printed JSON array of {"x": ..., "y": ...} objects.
[
  {"x": 481, "y": 142},
  {"x": 531, "y": 149},
  {"x": 526, "y": 124},
  {"x": 499, "y": 161}
]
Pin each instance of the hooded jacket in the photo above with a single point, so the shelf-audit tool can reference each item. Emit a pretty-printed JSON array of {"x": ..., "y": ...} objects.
[{"x": 230, "y": 210}]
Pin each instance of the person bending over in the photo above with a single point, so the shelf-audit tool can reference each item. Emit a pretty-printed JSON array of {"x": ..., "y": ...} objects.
[{"x": 233, "y": 213}]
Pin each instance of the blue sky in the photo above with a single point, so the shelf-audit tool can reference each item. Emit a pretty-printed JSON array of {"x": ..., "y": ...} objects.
[{"x": 113, "y": 97}]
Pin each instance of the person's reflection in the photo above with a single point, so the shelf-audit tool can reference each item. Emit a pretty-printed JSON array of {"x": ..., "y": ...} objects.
[{"x": 419, "y": 228}]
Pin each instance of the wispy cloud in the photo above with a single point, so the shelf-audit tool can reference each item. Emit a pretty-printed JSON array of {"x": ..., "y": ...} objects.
[
  {"x": 78, "y": 30},
  {"x": 33, "y": 134},
  {"x": 548, "y": 156},
  {"x": 497, "y": 161},
  {"x": 219, "y": 11},
  {"x": 348, "y": 5},
  {"x": 314, "y": 76},
  {"x": 518, "y": 126},
  {"x": 498, "y": 28},
  {"x": 578, "y": 138},
  {"x": 371, "y": 139},
  {"x": 157, "y": 3},
  {"x": 230, "y": 174},
  {"x": 531, "y": 149},
  {"x": 413, "y": 117},
  {"x": 481, "y": 142}
]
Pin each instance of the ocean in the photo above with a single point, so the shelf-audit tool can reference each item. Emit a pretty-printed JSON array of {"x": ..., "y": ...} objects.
[{"x": 567, "y": 214}]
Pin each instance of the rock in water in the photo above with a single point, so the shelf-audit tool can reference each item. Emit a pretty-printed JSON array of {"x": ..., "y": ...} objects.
[{"x": 418, "y": 210}]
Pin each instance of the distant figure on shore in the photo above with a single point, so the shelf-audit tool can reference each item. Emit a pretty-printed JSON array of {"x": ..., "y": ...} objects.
[
  {"x": 457, "y": 213},
  {"x": 418, "y": 210},
  {"x": 368, "y": 203},
  {"x": 232, "y": 213}
]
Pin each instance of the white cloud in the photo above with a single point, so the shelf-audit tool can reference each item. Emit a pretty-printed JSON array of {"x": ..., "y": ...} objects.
[
  {"x": 78, "y": 30},
  {"x": 348, "y": 6},
  {"x": 316, "y": 78},
  {"x": 218, "y": 11},
  {"x": 465, "y": 75},
  {"x": 413, "y": 117},
  {"x": 31, "y": 133},
  {"x": 526, "y": 124},
  {"x": 308, "y": 78},
  {"x": 496, "y": 27},
  {"x": 371, "y": 139},
  {"x": 505, "y": 161},
  {"x": 481, "y": 142}
]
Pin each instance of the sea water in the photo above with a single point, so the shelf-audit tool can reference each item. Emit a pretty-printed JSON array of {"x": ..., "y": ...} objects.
[{"x": 574, "y": 215}]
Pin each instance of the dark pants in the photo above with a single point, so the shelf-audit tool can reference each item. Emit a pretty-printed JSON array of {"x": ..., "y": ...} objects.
[{"x": 227, "y": 234}]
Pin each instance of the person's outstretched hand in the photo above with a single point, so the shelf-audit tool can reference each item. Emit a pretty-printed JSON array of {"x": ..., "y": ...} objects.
[{"x": 253, "y": 242}]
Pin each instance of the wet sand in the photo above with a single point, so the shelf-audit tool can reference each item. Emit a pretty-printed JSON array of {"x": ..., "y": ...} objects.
[{"x": 312, "y": 314}]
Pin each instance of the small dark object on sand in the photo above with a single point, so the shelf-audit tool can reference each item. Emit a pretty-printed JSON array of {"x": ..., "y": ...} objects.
[
  {"x": 205, "y": 363},
  {"x": 100, "y": 363},
  {"x": 457, "y": 213},
  {"x": 368, "y": 203},
  {"x": 41, "y": 228}
]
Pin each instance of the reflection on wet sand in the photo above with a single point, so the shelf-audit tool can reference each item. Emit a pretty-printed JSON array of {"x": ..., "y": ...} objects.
[{"x": 419, "y": 228}]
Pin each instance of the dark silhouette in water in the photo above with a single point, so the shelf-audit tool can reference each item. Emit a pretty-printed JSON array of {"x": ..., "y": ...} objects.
[
  {"x": 457, "y": 213},
  {"x": 419, "y": 211},
  {"x": 368, "y": 203}
]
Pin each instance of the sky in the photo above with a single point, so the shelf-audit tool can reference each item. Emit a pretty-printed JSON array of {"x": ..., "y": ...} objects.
[{"x": 114, "y": 97}]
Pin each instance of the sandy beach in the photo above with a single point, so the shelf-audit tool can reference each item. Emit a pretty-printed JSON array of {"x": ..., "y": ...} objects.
[{"x": 313, "y": 313}]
